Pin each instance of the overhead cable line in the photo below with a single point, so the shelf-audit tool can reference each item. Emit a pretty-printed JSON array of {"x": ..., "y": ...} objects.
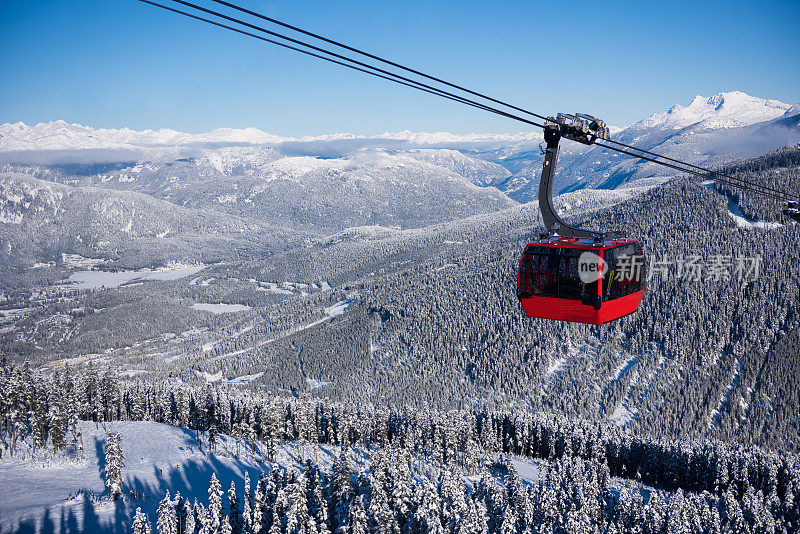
[
  {"x": 712, "y": 172},
  {"x": 385, "y": 73},
  {"x": 432, "y": 90},
  {"x": 475, "y": 93},
  {"x": 749, "y": 186},
  {"x": 378, "y": 58},
  {"x": 416, "y": 84}
]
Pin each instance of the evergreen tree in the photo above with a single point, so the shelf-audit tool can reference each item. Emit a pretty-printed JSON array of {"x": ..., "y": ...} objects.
[
  {"x": 166, "y": 522},
  {"x": 509, "y": 524},
  {"x": 182, "y": 512},
  {"x": 258, "y": 508},
  {"x": 359, "y": 523},
  {"x": 380, "y": 514},
  {"x": 428, "y": 513},
  {"x": 141, "y": 525},
  {"x": 213, "y": 522},
  {"x": 296, "y": 505},
  {"x": 225, "y": 528},
  {"x": 247, "y": 513},
  {"x": 476, "y": 521},
  {"x": 200, "y": 516},
  {"x": 115, "y": 461},
  {"x": 402, "y": 490},
  {"x": 234, "y": 515},
  {"x": 211, "y": 422}
]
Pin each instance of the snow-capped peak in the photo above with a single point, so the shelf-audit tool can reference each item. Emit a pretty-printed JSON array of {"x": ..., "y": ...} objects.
[{"x": 723, "y": 110}]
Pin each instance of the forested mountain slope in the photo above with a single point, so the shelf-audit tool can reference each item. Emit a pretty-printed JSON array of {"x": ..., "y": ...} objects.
[
  {"x": 696, "y": 359},
  {"x": 430, "y": 316},
  {"x": 41, "y": 220},
  {"x": 329, "y": 466}
]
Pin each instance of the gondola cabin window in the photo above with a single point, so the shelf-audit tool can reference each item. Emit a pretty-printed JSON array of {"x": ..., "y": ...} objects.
[
  {"x": 553, "y": 272},
  {"x": 625, "y": 273}
]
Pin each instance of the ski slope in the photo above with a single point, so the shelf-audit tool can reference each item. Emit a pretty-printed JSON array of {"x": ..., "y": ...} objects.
[{"x": 69, "y": 494}]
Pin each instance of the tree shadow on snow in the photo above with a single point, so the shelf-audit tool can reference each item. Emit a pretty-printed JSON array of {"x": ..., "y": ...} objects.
[
  {"x": 191, "y": 477},
  {"x": 69, "y": 522}
]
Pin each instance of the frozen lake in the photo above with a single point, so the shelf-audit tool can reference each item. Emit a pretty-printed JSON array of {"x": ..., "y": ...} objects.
[{"x": 103, "y": 279}]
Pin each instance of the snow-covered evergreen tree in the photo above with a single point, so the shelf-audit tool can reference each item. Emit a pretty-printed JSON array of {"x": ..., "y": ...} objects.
[
  {"x": 115, "y": 461},
  {"x": 226, "y": 528},
  {"x": 359, "y": 523},
  {"x": 509, "y": 524},
  {"x": 258, "y": 508},
  {"x": 214, "y": 514},
  {"x": 200, "y": 517},
  {"x": 182, "y": 513},
  {"x": 141, "y": 525},
  {"x": 234, "y": 514},
  {"x": 428, "y": 512},
  {"x": 166, "y": 522},
  {"x": 247, "y": 512}
]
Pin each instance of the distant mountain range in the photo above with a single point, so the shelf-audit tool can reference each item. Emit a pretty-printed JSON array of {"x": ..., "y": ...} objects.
[
  {"x": 725, "y": 127},
  {"x": 61, "y": 135},
  {"x": 324, "y": 185}
]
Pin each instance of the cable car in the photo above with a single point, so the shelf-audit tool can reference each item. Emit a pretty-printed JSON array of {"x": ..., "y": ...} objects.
[
  {"x": 572, "y": 274},
  {"x": 581, "y": 280}
]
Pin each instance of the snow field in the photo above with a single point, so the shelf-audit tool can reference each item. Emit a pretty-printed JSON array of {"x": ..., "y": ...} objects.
[{"x": 69, "y": 494}]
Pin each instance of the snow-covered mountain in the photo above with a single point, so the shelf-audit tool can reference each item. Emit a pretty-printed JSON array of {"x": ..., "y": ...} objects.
[
  {"x": 722, "y": 128},
  {"x": 41, "y": 220},
  {"x": 61, "y": 135},
  {"x": 723, "y": 110},
  {"x": 367, "y": 187}
]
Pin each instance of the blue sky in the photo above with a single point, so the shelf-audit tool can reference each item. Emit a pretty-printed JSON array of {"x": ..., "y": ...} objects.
[{"x": 115, "y": 63}]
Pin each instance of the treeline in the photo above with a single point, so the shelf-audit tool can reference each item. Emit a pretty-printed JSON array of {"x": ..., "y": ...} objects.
[
  {"x": 571, "y": 496},
  {"x": 42, "y": 410}
]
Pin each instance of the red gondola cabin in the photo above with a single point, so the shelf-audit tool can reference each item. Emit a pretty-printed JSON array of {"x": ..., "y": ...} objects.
[{"x": 579, "y": 280}]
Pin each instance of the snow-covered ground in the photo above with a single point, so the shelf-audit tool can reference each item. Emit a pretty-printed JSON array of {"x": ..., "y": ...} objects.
[
  {"x": 313, "y": 383},
  {"x": 69, "y": 495},
  {"x": 338, "y": 308},
  {"x": 724, "y": 399},
  {"x": 738, "y": 217},
  {"x": 332, "y": 311},
  {"x": 624, "y": 367},
  {"x": 743, "y": 222},
  {"x": 15, "y": 313},
  {"x": 622, "y": 415},
  {"x": 639, "y": 385},
  {"x": 218, "y": 377},
  {"x": 556, "y": 366}
]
